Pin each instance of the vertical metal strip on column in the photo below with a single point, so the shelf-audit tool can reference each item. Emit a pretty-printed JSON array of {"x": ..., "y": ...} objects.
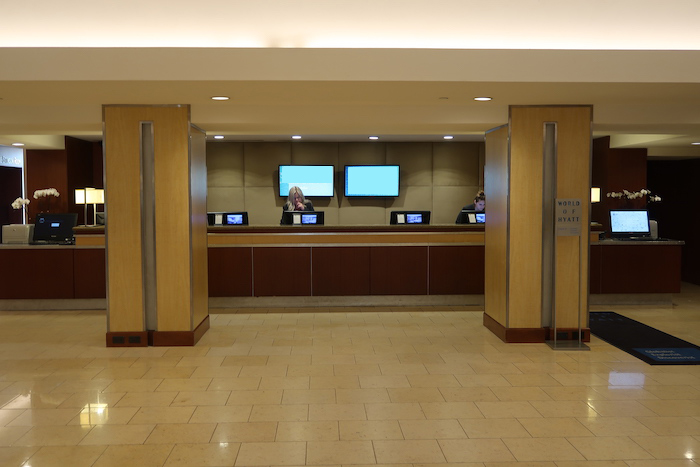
[
  {"x": 549, "y": 248},
  {"x": 148, "y": 223}
]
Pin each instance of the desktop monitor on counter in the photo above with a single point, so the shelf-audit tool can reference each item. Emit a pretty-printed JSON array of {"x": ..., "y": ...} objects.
[
  {"x": 470, "y": 216},
  {"x": 227, "y": 218},
  {"x": 302, "y": 218},
  {"x": 54, "y": 228},
  {"x": 409, "y": 217},
  {"x": 629, "y": 224}
]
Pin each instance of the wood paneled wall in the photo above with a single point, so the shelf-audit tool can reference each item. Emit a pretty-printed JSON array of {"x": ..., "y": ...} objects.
[
  {"x": 437, "y": 177},
  {"x": 179, "y": 169},
  {"x": 496, "y": 176},
  {"x": 64, "y": 169},
  {"x": 616, "y": 169},
  {"x": 675, "y": 182},
  {"x": 515, "y": 171}
]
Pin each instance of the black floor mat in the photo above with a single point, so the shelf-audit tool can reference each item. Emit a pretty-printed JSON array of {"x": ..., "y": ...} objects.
[{"x": 644, "y": 342}]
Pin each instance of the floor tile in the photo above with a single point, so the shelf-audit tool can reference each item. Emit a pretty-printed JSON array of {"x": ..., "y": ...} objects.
[
  {"x": 201, "y": 398},
  {"x": 157, "y": 415},
  {"x": 44, "y": 417},
  {"x": 432, "y": 429},
  {"x": 117, "y": 434},
  {"x": 337, "y": 412},
  {"x": 203, "y": 455},
  {"x": 268, "y": 454},
  {"x": 416, "y": 451},
  {"x": 394, "y": 411},
  {"x": 68, "y": 456},
  {"x": 307, "y": 431},
  {"x": 339, "y": 452},
  {"x": 668, "y": 447},
  {"x": 447, "y": 392},
  {"x": 242, "y": 432},
  {"x": 494, "y": 428},
  {"x": 610, "y": 448},
  {"x": 554, "y": 427},
  {"x": 279, "y": 413},
  {"x": 544, "y": 449},
  {"x": 217, "y": 414},
  {"x": 53, "y": 436},
  {"x": 143, "y": 456},
  {"x": 352, "y": 430},
  {"x": 616, "y": 426},
  {"x": 177, "y": 433},
  {"x": 450, "y": 410},
  {"x": 475, "y": 450}
]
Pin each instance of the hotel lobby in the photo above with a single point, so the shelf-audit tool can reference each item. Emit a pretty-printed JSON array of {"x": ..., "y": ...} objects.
[{"x": 391, "y": 379}]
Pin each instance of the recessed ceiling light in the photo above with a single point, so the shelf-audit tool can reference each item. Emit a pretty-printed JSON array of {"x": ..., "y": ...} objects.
[
  {"x": 220, "y": 98},
  {"x": 696, "y": 144},
  {"x": 374, "y": 137},
  {"x": 296, "y": 137},
  {"x": 482, "y": 99},
  {"x": 448, "y": 137},
  {"x": 18, "y": 144},
  {"x": 219, "y": 137}
]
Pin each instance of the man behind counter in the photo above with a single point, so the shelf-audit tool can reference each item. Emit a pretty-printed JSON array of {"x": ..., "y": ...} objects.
[{"x": 295, "y": 202}]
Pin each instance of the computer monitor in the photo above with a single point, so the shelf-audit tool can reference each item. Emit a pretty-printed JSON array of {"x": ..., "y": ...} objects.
[
  {"x": 409, "y": 217},
  {"x": 54, "y": 227},
  {"x": 469, "y": 216},
  {"x": 227, "y": 218},
  {"x": 629, "y": 223},
  {"x": 302, "y": 218}
]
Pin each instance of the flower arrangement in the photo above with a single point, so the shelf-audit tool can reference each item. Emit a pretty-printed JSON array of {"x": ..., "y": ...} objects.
[
  {"x": 44, "y": 198},
  {"x": 45, "y": 193},
  {"x": 19, "y": 203},
  {"x": 634, "y": 195}
]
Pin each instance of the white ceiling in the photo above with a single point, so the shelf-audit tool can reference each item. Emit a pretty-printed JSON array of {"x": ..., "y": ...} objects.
[{"x": 340, "y": 71}]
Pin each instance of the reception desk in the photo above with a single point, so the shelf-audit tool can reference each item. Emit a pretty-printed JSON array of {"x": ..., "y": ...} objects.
[
  {"x": 332, "y": 261},
  {"x": 248, "y": 263}
]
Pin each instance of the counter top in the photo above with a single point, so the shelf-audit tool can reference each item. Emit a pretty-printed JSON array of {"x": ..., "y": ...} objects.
[{"x": 660, "y": 241}]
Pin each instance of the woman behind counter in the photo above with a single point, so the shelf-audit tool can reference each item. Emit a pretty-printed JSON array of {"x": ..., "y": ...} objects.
[
  {"x": 479, "y": 205},
  {"x": 296, "y": 202}
]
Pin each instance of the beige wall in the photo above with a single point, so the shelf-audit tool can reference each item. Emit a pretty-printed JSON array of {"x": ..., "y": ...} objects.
[{"x": 438, "y": 177}]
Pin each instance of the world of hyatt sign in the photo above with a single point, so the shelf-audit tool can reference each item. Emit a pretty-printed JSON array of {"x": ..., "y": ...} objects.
[{"x": 568, "y": 216}]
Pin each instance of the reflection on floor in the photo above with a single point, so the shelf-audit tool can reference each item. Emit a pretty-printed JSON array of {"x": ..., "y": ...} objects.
[{"x": 369, "y": 386}]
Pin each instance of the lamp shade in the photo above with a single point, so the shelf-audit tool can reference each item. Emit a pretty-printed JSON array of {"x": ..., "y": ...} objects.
[
  {"x": 80, "y": 196},
  {"x": 595, "y": 195},
  {"x": 94, "y": 196}
]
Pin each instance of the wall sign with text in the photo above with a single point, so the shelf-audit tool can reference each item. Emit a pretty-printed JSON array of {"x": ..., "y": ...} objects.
[{"x": 568, "y": 217}]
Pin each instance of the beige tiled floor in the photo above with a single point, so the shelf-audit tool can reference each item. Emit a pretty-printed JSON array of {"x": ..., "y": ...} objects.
[{"x": 372, "y": 386}]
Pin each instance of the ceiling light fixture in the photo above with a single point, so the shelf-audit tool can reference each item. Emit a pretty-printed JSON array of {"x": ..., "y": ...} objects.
[
  {"x": 219, "y": 137},
  {"x": 448, "y": 137},
  {"x": 483, "y": 99},
  {"x": 18, "y": 144},
  {"x": 374, "y": 137},
  {"x": 696, "y": 144},
  {"x": 296, "y": 137},
  {"x": 220, "y": 98}
]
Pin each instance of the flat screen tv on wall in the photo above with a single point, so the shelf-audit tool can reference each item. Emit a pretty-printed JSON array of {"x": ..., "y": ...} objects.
[
  {"x": 314, "y": 180},
  {"x": 371, "y": 180}
]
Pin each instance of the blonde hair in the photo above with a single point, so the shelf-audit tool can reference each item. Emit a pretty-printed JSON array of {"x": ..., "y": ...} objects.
[
  {"x": 480, "y": 196},
  {"x": 295, "y": 190}
]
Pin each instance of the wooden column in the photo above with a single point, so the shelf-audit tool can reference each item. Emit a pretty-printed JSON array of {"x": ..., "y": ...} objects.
[
  {"x": 156, "y": 238},
  {"x": 528, "y": 270}
]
